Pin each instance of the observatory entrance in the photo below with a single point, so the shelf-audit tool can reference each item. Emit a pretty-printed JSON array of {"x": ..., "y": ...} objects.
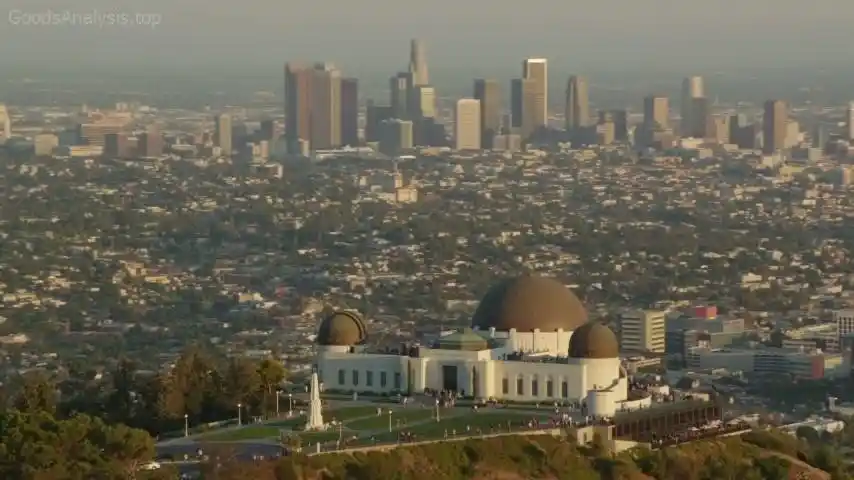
[{"x": 449, "y": 378}]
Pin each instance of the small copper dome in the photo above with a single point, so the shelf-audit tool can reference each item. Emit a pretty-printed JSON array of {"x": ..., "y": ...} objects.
[
  {"x": 594, "y": 340},
  {"x": 342, "y": 329}
]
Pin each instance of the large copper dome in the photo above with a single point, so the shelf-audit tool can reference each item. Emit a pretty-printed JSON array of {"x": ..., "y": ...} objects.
[
  {"x": 527, "y": 303},
  {"x": 342, "y": 329},
  {"x": 594, "y": 340}
]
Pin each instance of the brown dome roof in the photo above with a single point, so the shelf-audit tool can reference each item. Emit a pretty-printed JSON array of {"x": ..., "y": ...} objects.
[
  {"x": 342, "y": 329},
  {"x": 594, "y": 340},
  {"x": 527, "y": 303}
]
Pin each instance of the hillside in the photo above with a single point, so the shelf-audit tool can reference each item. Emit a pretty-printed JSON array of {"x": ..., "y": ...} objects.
[{"x": 546, "y": 458}]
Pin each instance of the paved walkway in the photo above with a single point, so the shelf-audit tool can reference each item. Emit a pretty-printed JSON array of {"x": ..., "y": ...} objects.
[{"x": 446, "y": 413}]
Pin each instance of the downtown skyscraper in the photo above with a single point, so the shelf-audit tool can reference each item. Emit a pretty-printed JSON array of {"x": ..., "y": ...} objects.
[
  {"x": 349, "y": 112},
  {"x": 418, "y": 63},
  {"x": 298, "y": 98},
  {"x": 849, "y": 122},
  {"x": 523, "y": 100},
  {"x": 694, "y": 108},
  {"x": 577, "y": 104},
  {"x": 536, "y": 70},
  {"x": 489, "y": 93},
  {"x": 312, "y": 106},
  {"x": 775, "y": 121},
  {"x": 223, "y": 134},
  {"x": 467, "y": 131}
]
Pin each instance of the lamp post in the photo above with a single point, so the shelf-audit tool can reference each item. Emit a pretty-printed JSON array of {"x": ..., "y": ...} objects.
[
  {"x": 389, "y": 420},
  {"x": 239, "y": 414},
  {"x": 278, "y": 394},
  {"x": 186, "y": 425},
  {"x": 290, "y": 405}
]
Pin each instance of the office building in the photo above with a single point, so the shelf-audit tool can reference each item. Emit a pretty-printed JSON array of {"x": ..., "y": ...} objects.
[
  {"x": 700, "y": 118},
  {"x": 488, "y": 92},
  {"x": 94, "y": 131},
  {"x": 523, "y": 99},
  {"x": 350, "y": 112},
  {"x": 720, "y": 129},
  {"x": 396, "y": 135},
  {"x": 692, "y": 89},
  {"x": 621, "y": 125},
  {"x": 844, "y": 320},
  {"x": 849, "y": 122},
  {"x": 656, "y": 113},
  {"x": 223, "y": 134},
  {"x": 605, "y": 130},
  {"x": 577, "y": 104},
  {"x": 741, "y": 132},
  {"x": 150, "y": 143},
  {"x": 325, "y": 107},
  {"x": 536, "y": 70},
  {"x": 399, "y": 88},
  {"x": 267, "y": 131},
  {"x": 642, "y": 331},
  {"x": 5, "y": 124},
  {"x": 467, "y": 124},
  {"x": 117, "y": 145},
  {"x": 44, "y": 144},
  {"x": 418, "y": 64},
  {"x": 774, "y": 126},
  {"x": 375, "y": 115},
  {"x": 422, "y": 102},
  {"x": 298, "y": 100}
]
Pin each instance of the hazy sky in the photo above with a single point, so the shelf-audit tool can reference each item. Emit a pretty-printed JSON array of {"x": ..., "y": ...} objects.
[{"x": 367, "y": 34}]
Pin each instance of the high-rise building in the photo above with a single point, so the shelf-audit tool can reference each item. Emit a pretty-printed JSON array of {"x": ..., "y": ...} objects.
[
  {"x": 467, "y": 124},
  {"x": 5, "y": 124},
  {"x": 488, "y": 92},
  {"x": 621, "y": 125},
  {"x": 399, "y": 87},
  {"x": 396, "y": 135},
  {"x": 642, "y": 331},
  {"x": 349, "y": 111},
  {"x": 536, "y": 69},
  {"x": 298, "y": 99},
  {"x": 418, "y": 63},
  {"x": 375, "y": 115},
  {"x": 150, "y": 143},
  {"x": 692, "y": 88},
  {"x": 850, "y": 122},
  {"x": 523, "y": 98},
  {"x": 700, "y": 118},
  {"x": 44, "y": 144},
  {"x": 742, "y": 132},
  {"x": 656, "y": 112},
  {"x": 720, "y": 129},
  {"x": 325, "y": 107},
  {"x": 422, "y": 102},
  {"x": 577, "y": 104},
  {"x": 605, "y": 129},
  {"x": 774, "y": 126},
  {"x": 267, "y": 130},
  {"x": 222, "y": 134}
]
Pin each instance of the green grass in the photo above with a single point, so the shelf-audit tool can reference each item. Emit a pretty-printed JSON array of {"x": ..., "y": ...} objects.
[
  {"x": 404, "y": 416},
  {"x": 349, "y": 413}
]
